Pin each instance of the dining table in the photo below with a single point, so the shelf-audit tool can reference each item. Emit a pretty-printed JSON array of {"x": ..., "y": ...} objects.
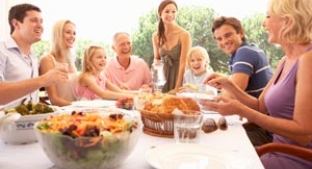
[{"x": 232, "y": 140}]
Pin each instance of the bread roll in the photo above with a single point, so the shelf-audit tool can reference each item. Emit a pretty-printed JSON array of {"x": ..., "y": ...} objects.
[
  {"x": 169, "y": 103},
  {"x": 222, "y": 123},
  {"x": 209, "y": 125}
]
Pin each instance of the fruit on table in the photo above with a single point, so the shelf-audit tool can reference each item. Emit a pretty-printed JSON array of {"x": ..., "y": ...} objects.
[{"x": 125, "y": 103}]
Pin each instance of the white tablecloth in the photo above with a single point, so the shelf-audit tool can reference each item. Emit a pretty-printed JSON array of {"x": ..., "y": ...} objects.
[{"x": 31, "y": 156}]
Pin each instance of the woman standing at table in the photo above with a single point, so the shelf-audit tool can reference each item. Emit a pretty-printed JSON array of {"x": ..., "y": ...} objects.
[
  {"x": 63, "y": 38},
  {"x": 171, "y": 43},
  {"x": 287, "y": 97}
]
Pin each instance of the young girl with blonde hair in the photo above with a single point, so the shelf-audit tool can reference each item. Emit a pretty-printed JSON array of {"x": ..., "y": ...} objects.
[
  {"x": 92, "y": 83},
  {"x": 197, "y": 67}
]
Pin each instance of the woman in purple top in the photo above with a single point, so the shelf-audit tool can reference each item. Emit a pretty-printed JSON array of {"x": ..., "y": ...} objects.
[{"x": 287, "y": 97}]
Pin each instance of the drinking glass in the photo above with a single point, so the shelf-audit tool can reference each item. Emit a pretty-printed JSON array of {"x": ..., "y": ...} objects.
[{"x": 187, "y": 126}]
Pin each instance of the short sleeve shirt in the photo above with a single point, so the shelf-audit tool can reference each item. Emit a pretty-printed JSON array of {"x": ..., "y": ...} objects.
[
  {"x": 190, "y": 78},
  {"x": 15, "y": 66},
  {"x": 252, "y": 61},
  {"x": 136, "y": 75}
]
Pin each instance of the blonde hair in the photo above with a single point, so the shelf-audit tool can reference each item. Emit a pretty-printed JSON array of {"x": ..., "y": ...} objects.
[
  {"x": 88, "y": 55},
  {"x": 199, "y": 51},
  {"x": 87, "y": 66},
  {"x": 58, "y": 46},
  {"x": 299, "y": 13}
]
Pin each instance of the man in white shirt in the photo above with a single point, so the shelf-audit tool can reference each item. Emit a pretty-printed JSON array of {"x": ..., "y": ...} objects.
[{"x": 19, "y": 78}]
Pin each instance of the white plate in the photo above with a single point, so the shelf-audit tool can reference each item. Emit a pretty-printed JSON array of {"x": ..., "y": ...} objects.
[
  {"x": 94, "y": 103},
  {"x": 206, "y": 111},
  {"x": 196, "y": 96},
  {"x": 190, "y": 156}
]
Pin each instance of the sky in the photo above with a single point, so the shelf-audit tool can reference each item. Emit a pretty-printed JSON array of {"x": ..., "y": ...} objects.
[{"x": 99, "y": 20}]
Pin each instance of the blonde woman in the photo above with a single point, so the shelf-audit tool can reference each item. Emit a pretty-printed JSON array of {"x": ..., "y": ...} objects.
[
  {"x": 63, "y": 38},
  {"x": 171, "y": 43},
  {"x": 92, "y": 83}
]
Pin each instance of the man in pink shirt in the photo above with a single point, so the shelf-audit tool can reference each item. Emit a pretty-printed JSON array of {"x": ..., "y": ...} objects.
[{"x": 126, "y": 71}]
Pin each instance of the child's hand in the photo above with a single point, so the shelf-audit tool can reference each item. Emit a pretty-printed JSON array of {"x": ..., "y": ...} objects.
[
  {"x": 146, "y": 89},
  {"x": 124, "y": 87},
  {"x": 173, "y": 91},
  {"x": 182, "y": 89}
]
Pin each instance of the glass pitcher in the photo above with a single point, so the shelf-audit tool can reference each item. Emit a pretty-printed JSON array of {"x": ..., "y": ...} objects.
[{"x": 158, "y": 76}]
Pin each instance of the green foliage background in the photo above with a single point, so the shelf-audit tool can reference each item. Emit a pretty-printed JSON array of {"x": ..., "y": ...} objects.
[{"x": 196, "y": 19}]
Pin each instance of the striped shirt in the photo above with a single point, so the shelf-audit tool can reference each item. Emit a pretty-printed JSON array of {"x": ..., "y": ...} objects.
[{"x": 252, "y": 61}]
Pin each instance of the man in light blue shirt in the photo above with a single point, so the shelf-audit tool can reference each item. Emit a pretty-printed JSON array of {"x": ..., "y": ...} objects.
[{"x": 19, "y": 78}]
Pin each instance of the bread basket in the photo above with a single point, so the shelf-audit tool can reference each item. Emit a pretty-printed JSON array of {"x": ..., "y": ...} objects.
[
  {"x": 161, "y": 123},
  {"x": 157, "y": 124}
]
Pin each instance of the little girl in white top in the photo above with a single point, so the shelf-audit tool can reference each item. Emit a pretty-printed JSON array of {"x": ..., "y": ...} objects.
[{"x": 197, "y": 67}]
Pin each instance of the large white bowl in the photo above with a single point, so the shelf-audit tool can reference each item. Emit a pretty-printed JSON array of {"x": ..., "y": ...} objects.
[
  {"x": 81, "y": 152},
  {"x": 17, "y": 129}
]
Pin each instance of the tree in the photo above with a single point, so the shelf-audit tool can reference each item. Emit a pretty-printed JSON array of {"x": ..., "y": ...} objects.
[
  {"x": 43, "y": 47},
  {"x": 142, "y": 45},
  {"x": 197, "y": 20},
  {"x": 255, "y": 33}
]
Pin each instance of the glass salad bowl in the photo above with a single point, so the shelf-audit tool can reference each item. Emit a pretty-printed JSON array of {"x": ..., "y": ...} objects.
[{"x": 97, "y": 140}]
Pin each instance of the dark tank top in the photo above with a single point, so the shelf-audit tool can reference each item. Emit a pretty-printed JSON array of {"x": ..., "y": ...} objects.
[{"x": 171, "y": 60}]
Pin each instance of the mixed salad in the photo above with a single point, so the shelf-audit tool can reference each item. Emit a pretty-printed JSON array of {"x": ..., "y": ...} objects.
[{"x": 87, "y": 140}]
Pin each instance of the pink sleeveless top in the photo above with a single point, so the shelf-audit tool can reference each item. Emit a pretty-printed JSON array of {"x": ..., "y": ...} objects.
[{"x": 85, "y": 93}]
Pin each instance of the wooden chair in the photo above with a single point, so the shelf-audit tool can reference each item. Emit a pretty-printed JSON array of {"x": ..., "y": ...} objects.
[{"x": 301, "y": 152}]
